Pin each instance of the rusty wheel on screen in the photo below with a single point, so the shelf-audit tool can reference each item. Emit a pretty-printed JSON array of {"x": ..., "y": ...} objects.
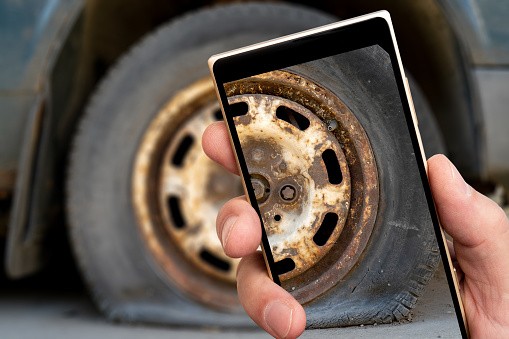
[
  {"x": 143, "y": 197},
  {"x": 334, "y": 188}
]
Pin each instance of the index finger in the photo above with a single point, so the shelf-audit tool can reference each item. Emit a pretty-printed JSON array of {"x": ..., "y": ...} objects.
[{"x": 216, "y": 144}]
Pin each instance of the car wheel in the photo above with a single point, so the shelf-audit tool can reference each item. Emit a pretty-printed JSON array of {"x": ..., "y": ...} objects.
[{"x": 142, "y": 197}]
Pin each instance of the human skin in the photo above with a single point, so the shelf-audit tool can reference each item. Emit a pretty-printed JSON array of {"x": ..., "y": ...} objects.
[{"x": 480, "y": 247}]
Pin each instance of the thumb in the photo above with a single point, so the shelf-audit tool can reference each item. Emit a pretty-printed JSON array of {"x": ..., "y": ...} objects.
[
  {"x": 468, "y": 216},
  {"x": 480, "y": 230}
]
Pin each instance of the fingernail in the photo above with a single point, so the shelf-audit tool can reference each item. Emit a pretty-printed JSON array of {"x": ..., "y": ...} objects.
[
  {"x": 278, "y": 317},
  {"x": 227, "y": 228},
  {"x": 467, "y": 189}
]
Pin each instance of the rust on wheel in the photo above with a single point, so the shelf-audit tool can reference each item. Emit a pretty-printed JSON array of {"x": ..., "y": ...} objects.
[
  {"x": 309, "y": 141},
  {"x": 313, "y": 173},
  {"x": 302, "y": 172},
  {"x": 177, "y": 192}
]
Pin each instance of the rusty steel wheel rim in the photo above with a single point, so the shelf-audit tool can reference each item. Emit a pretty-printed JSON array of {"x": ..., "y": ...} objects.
[
  {"x": 192, "y": 182},
  {"x": 173, "y": 248},
  {"x": 296, "y": 194},
  {"x": 177, "y": 192},
  {"x": 358, "y": 196}
]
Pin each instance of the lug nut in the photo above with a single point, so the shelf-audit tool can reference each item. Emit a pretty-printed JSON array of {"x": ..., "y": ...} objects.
[
  {"x": 261, "y": 188},
  {"x": 331, "y": 125},
  {"x": 288, "y": 193},
  {"x": 258, "y": 188}
]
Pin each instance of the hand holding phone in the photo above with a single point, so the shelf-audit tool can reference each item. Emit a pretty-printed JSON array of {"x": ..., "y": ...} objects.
[
  {"x": 327, "y": 143},
  {"x": 460, "y": 208}
]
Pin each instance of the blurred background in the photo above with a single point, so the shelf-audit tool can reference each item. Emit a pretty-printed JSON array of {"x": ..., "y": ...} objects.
[{"x": 107, "y": 203}]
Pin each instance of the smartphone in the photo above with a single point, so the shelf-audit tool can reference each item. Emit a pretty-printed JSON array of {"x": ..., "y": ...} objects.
[{"x": 327, "y": 142}]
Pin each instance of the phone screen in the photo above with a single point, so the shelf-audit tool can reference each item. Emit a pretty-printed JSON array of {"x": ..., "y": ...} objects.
[{"x": 332, "y": 164}]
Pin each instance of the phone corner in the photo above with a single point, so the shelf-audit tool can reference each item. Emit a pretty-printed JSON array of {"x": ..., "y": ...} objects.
[
  {"x": 211, "y": 62},
  {"x": 384, "y": 14}
]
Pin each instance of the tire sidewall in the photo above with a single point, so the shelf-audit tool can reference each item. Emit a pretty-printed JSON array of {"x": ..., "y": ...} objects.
[{"x": 401, "y": 254}]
